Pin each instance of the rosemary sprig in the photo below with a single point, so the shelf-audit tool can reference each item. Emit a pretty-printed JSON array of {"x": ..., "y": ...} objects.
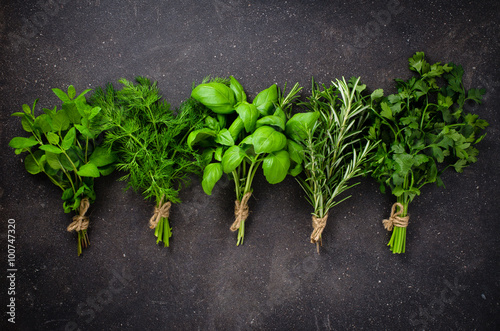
[{"x": 333, "y": 151}]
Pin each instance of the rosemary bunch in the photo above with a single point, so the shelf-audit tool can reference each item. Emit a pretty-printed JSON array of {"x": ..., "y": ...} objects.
[
  {"x": 333, "y": 152},
  {"x": 150, "y": 143}
]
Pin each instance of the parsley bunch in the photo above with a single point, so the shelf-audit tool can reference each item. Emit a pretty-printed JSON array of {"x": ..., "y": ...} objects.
[
  {"x": 423, "y": 130},
  {"x": 150, "y": 142}
]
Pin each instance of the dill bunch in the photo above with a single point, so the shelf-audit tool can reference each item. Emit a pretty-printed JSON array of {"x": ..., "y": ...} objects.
[{"x": 150, "y": 141}]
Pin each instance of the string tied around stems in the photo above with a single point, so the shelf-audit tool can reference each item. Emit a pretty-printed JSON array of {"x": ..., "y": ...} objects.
[
  {"x": 240, "y": 211},
  {"x": 319, "y": 224},
  {"x": 80, "y": 221},
  {"x": 395, "y": 219},
  {"x": 162, "y": 210}
]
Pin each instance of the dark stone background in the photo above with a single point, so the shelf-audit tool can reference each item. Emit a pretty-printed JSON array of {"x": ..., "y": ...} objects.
[{"x": 449, "y": 278}]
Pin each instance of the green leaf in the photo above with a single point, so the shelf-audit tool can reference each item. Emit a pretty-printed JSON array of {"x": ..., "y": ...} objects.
[
  {"x": 215, "y": 96},
  {"x": 211, "y": 175},
  {"x": 72, "y": 112},
  {"x": 417, "y": 63},
  {"x": 397, "y": 191},
  {"x": 60, "y": 121},
  {"x": 265, "y": 100},
  {"x": 386, "y": 111},
  {"x": 33, "y": 163},
  {"x": 89, "y": 170},
  {"x": 107, "y": 170},
  {"x": 295, "y": 150},
  {"x": 53, "y": 138},
  {"x": 266, "y": 140},
  {"x": 53, "y": 160},
  {"x": 27, "y": 123},
  {"x": 61, "y": 95},
  {"x": 249, "y": 114},
  {"x": 298, "y": 126},
  {"x": 71, "y": 92},
  {"x": 232, "y": 158},
  {"x": 295, "y": 171},
  {"x": 26, "y": 109},
  {"x": 271, "y": 120},
  {"x": 22, "y": 142},
  {"x": 44, "y": 123},
  {"x": 67, "y": 194},
  {"x": 200, "y": 135},
  {"x": 476, "y": 94},
  {"x": 69, "y": 139},
  {"x": 84, "y": 131},
  {"x": 102, "y": 156},
  {"x": 51, "y": 149},
  {"x": 437, "y": 153},
  {"x": 377, "y": 94},
  {"x": 275, "y": 166},
  {"x": 224, "y": 138},
  {"x": 404, "y": 163},
  {"x": 218, "y": 153},
  {"x": 237, "y": 89}
]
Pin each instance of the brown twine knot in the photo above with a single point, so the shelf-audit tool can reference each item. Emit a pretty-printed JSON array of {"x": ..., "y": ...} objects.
[
  {"x": 240, "y": 211},
  {"x": 319, "y": 224},
  {"x": 395, "y": 219},
  {"x": 163, "y": 210},
  {"x": 80, "y": 222}
]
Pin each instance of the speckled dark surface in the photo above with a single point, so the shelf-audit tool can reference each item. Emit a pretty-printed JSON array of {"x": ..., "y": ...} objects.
[{"x": 449, "y": 279}]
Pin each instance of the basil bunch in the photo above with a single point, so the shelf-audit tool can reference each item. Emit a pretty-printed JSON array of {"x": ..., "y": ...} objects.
[
  {"x": 63, "y": 145},
  {"x": 262, "y": 133}
]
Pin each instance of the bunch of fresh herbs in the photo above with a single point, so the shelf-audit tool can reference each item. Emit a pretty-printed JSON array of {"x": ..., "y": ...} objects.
[
  {"x": 259, "y": 135},
  {"x": 424, "y": 130},
  {"x": 150, "y": 142},
  {"x": 334, "y": 150},
  {"x": 64, "y": 146}
]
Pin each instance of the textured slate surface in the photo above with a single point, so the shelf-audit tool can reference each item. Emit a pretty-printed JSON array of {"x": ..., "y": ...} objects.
[{"x": 448, "y": 279}]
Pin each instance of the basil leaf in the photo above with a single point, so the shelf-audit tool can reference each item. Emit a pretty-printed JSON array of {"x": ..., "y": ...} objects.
[
  {"x": 224, "y": 138},
  {"x": 199, "y": 135},
  {"x": 266, "y": 140},
  {"x": 271, "y": 120},
  {"x": 238, "y": 90},
  {"x": 249, "y": 114},
  {"x": 275, "y": 166},
  {"x": 295, "y": 150},
  {"x": 211, "y": 175},
  {"x": 232, "y": 158},
  {"x": 215, "y": 96},
  {"x": 297, "y": 127},
  {"x": 265, "y": 100}
]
